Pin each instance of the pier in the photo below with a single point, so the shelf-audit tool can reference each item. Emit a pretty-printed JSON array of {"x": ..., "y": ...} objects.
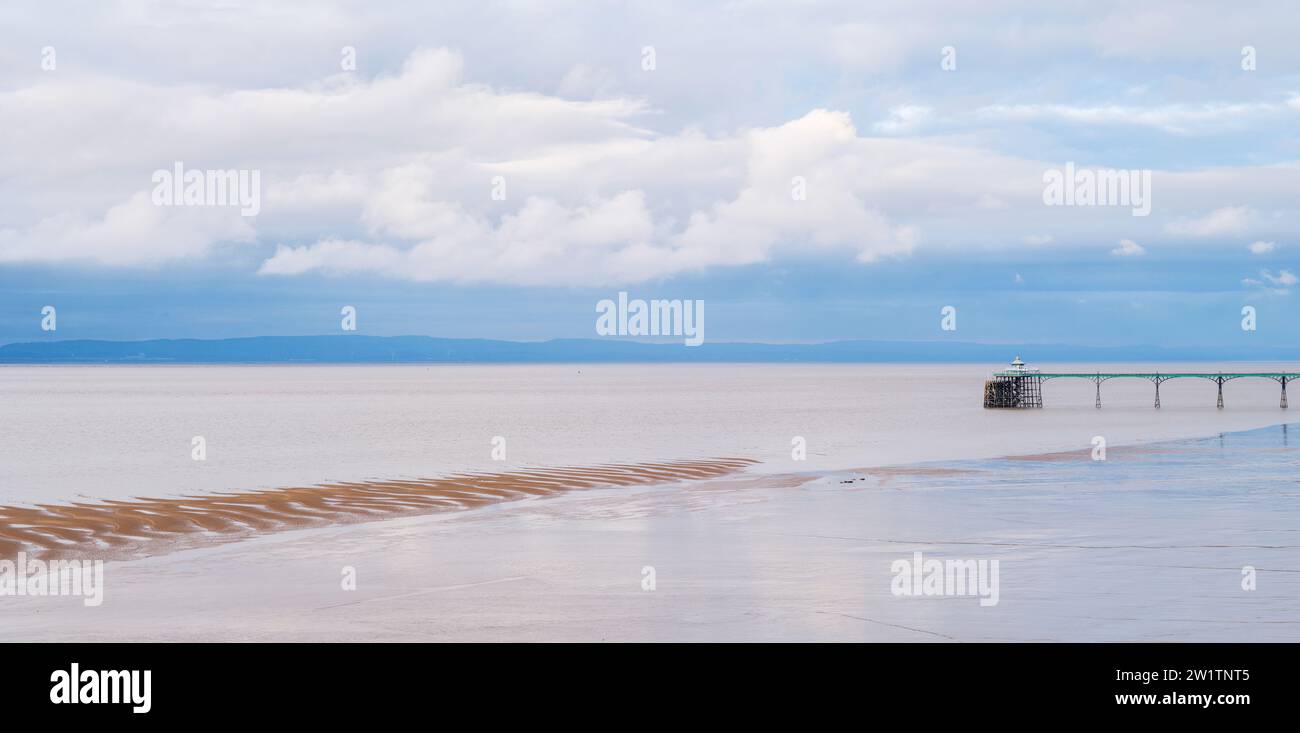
[{"x": 1020, "y": 387}]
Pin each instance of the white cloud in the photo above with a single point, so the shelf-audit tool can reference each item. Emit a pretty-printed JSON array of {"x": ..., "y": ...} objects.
[
  {"x": 824, "y": 149},
  {"x": 545, "y": 242},
  {"x": 617, "y": 238},
  {"x": 1226, "y": 220},
  {"x": 1283, "y": 277},
  {"x": 1128, "y": 248},
  {"x": 1279, "y": 284},
  {"x": 1261, "y": 247},
  {"x": 133, "y": 233},
  {"x": 904, "y": 119},
  {"x": 389, "y": 172}
]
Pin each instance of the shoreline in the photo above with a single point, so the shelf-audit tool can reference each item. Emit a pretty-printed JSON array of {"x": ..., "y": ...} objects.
[
  {"x": 116, "y": 530},
  {"x": 740, "y": 559}
]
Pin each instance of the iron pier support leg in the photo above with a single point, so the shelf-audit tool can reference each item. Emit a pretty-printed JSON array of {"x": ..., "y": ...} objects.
[
  {"x": 1220, "y": 381},
  {"x": 1157, "y": 395},
  {"x": 1283, "y": 404},
  {"x": 1098, "y": 394}
]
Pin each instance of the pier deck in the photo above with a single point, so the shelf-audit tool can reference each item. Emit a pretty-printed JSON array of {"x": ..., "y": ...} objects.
[{"x": 1021, "y": 387}]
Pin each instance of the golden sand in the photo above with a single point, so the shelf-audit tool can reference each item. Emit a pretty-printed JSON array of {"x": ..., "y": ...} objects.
[{"x": 143, "y": 526}]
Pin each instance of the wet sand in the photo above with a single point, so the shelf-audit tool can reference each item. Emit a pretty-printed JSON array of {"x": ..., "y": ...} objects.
[
  {"x": 142, "y": 527},
  {"x": 1148, "y": 545},
  {"x": 1124, "y": 550}
]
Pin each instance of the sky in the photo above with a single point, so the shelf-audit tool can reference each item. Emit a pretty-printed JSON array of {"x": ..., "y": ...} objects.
[{"x": 813, "y": 171}]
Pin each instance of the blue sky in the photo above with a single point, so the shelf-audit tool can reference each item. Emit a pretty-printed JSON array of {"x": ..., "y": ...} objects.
[{"x": 493, "y": 170}]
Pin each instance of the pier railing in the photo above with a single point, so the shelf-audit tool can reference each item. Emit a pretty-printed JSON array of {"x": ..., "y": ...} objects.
[{"x": 1022, "y": 388}]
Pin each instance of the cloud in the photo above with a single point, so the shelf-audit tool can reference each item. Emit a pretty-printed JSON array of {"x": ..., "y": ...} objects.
[
  {"x": 1128, "y": 248},
  {"x": 1261, "y": 247},
  {"x": 617, "y": 238},
  {"x": 545, "y": 242},
  {"x": 904, "y": 119},
  {"x": 1279, "y": 284},
  {"x": 85, "y": 189},
  {"x": 134, "y": 233},
  {"x": 823, "y": 150},
  {"x": 1173, "y": 118},
  {"x": 1226, "y": 220},
  {"x": 1283, "y": 277},
  {"x": 391, "y": 172}
]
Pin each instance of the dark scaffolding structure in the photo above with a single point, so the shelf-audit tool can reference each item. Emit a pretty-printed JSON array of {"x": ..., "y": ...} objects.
[{"x": 1014, "y": 390}]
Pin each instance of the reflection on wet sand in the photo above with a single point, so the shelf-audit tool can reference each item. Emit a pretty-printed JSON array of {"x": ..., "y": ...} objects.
[{"x": 143, "y": 526}]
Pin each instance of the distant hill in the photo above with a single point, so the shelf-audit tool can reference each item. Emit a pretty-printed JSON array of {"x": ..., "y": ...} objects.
[{"x": 358, "y": 349}]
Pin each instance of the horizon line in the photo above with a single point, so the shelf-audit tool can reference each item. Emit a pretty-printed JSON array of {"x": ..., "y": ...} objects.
[{"x": 357, "y": 348}]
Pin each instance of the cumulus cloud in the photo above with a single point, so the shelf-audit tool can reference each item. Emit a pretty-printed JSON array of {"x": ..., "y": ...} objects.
[
  {"x": 797, "y": 187},
  {"x": 1261, "y": 247},
  {"x": 319, "y": 151},
  {"x": 393, "y": 173}
]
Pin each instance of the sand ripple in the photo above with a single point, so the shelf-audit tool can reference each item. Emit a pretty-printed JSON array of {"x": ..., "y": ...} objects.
[{"x": 140, "y": 527}]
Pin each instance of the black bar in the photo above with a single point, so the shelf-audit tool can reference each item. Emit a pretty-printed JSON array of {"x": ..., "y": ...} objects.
[{"x": 978, "y": 683}]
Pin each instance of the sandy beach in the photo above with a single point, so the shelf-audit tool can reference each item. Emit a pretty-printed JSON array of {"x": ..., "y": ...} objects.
[
  {"x": 733, "y": 559},
  {"x": 120, "y": 530}
]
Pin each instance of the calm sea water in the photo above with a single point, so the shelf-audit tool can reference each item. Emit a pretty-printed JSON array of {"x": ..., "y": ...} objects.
[
  {"x": 1153, "y": 543},
  {"x": 112, "y": 432}
]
